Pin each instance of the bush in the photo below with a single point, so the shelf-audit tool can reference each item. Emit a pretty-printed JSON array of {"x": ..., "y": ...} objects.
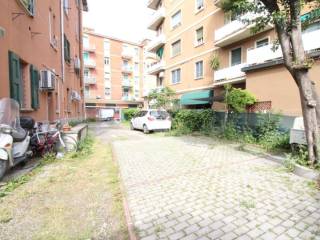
[
  {"x": 274, "y": 140},
  {"x": 187, "y": 121},
  {"x": 130, "y": 113}
]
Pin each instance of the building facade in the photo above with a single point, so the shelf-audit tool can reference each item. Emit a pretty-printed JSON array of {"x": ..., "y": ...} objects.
[
  {"x": 114, "y": 74},
  {"x": 41, "y": 64},
  {"x": 190, "y": 34}
]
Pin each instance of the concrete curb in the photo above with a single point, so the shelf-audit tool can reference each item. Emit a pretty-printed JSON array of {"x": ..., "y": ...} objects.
[
  {"x": 130, "y": 225},
  {"x": 300, "y": 171}
]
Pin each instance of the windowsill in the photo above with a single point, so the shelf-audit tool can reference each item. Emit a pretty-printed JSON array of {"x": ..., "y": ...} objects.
[
  {"x": 199, "y": 78},
  {"x": 26, "y": 110},
  {"x": 54, "y": 47},
  {"x": 175, "y": 27},
  {"x": 176, "y": 55},
  {"x": 172, "y": 84},
  {"x": 198, "y": 44},
  {"x": 66, "y": 14},
  {"x": 199, "y": 10}
]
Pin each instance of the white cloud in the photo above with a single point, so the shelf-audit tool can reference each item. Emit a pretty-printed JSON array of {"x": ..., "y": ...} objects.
[{"x": 125, "y": 19}]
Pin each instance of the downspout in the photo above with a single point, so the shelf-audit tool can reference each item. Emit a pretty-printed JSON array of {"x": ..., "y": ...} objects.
[
  {"x": 62, "y": 58},
  {"x": 81, "y": 60}
]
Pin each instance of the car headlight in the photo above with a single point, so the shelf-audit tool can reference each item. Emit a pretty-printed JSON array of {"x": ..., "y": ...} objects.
[{"x": 3, "y": 154}]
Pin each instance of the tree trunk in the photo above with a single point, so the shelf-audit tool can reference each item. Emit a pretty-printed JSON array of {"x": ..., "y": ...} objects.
[{"x": 309, "y": 104}]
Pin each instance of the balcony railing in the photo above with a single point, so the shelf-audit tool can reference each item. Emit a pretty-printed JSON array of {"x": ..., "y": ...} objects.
[
  {"x": 89, "y": 63},
  {"x": 230, "y": 74},
  {"x": 89, "y": 48},
  {"x": 90, "y": 80},
  {"x": 156, "y": 43},
  {"x": 157, "y": 67},
  {"x": 127, "y": 53},
  {"x": 153, "y": 4},
  {"x": 236, "y": 30},
  {"x": 126, "y": 83},
  {"x": 266, "y": 53},
  {"x": 157, "y": 18},
  {"x": 127, "y": 69},
  {"x": 128, "y": 98}
]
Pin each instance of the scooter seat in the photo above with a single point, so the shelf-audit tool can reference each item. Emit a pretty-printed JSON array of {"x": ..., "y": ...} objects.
[{"x": 19, "y": 135}]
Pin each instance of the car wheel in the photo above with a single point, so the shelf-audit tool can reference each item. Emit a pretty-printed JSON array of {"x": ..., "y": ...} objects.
[
  {"x": 3, "y": 168},
  {"x": 131, "y": 127},
  {"x": 145, "y": 129}
]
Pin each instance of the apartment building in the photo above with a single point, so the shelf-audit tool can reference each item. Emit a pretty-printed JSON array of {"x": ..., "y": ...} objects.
[
  {"x": 41, "y": 61},
  {"x": 190, "y": 33},
  {"x": 113, "y": 73}
]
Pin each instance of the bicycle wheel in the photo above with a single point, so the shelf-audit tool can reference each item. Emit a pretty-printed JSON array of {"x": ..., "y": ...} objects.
[{"x": 70, "y": 143}]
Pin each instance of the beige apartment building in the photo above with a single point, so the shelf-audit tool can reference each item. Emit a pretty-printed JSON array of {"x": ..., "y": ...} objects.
[
  {"x": 41, "y": 57},
  {"x": 114, "y": 74},
  {"x": 189, "y": 33}
]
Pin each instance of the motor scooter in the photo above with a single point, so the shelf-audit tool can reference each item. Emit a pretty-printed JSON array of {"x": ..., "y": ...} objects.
[{"x": 14, "y": 140}]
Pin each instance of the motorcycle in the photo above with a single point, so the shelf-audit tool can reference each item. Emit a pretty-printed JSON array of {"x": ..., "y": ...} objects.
[{"x": 14, "y": 140}]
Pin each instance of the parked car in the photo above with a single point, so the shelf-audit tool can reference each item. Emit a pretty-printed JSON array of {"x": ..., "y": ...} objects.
[{"x": 151, "y": 120}]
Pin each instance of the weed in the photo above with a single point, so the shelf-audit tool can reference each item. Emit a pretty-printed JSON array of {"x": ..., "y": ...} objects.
[
  {"x": 248, "y": 204},
  {"x": 289, "y": 163},
  {"x": 313, "y": 185},
  {"x": 5, "y": 216},
  {"x": 158, "y": 229}
]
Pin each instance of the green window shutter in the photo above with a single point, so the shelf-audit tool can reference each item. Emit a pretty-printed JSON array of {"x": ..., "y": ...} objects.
[
  {"x": 34, "y": 77},
  {"x": 15, "y": 77}
]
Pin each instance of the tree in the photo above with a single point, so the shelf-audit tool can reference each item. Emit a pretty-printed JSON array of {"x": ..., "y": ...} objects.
[
  {"x": 164, "y": 98},
  {"x": 285, "y": 15}
]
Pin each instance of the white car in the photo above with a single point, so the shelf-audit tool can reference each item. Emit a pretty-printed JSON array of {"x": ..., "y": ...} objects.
[{"x": 151, "y": 120}]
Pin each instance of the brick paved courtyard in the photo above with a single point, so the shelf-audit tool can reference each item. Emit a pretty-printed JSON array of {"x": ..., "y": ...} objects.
[{"x": 184, "y": 188}]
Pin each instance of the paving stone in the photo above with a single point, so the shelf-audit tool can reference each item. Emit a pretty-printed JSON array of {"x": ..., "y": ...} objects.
[
  {"x": 177, "y": 235},
  {"x": 215, "y": 234},
  {"x": 255, "y": 233},
  {"x": 229, "y": 236},
  {"x": 268, "y": 236}
]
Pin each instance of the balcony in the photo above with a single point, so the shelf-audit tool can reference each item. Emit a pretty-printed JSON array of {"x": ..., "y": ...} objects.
[
  {"x": 127, "y": 53},
  {"x": 128, "y": 98},
  {"x": 265, "y": 53},
  {"x": 229, "y": 75},
  {"x": 153, "y": 4},
  {"x": 126, "y": 83},
  {"x": 89, "y": 63},
  {"x": 236, "y": 30},
  {"x": 157, "y": 67},
  {"x": 127, "y": 69},
  {"x": 90, "y": 80},
  {"x": 157, "y": 19},
  {"x": 156, "y": 43},
  {"x": 90, "y": 48}
]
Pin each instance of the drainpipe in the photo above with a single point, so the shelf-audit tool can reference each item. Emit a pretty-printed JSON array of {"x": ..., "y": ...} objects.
[{"x": 61, "y": 93}]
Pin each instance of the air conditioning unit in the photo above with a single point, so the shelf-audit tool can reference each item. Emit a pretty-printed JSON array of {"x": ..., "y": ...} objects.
[
  {"x": 47, "y": 80},
  {"x": 77, "y": 63},
  {"x": 75, "y": 96}
]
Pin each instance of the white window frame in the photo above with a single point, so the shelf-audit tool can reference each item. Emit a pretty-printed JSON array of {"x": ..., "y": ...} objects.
[
  {"x": 52, "y": 35},
  {"x": 66, "y": 6},
  {"x": 179, "y": 40},
  {"x": 178, "y": 23},
  {"x": 196, "y": 6},
  {"x": 195, "y": 70},
  {"x": 256, "y": 45},
  {"x": 174, "y": 70},
  {"x": 196, "y": 37},
  {"x": 230, "y": 55}
]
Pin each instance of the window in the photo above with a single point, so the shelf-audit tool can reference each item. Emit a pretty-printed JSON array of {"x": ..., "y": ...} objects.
[
  {"x": 107, "y": 91},
  {"x": 125, "y": 63},
  {"x": 136, "y": 51},
  {"x": 176, "y": 19},
  {"x": 52, "y": 29},
  {"x": 262, "y": 42},
  {"x": 176, "y": 48},
  {"x": 34, "y": 86},
  {"x": 86, "y": 72},
  {"x": 106, "y": 46},
  {"x": 125, "y": 92},
  {"x": 67, "y": 54},
  {"x": 85, "y": 56},
  {"x": 199, "y": 5},
  {"x": 236, "y": 56},
  {"x": 106, "y": 61},
  {"x": 66, "y": 6},
  {"x": 199, "y": 70},
  {"x": 85, "y": 40},
  {"x": 199, "y": 36},
  {"x": 136, "y": 67},
  {"x": 29, "y": 5},
  {"x": 176, "y": 76}
]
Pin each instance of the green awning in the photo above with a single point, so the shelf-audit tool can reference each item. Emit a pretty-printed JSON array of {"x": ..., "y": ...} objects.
[{"x": 197, "y": 98}]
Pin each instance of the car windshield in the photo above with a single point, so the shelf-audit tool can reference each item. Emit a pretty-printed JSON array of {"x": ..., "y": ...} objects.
[
  {"x": 159, "y": 114},
  {"x": 9, "y": 113}
]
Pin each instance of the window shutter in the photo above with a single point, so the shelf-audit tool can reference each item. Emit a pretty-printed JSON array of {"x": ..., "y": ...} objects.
[
  {"x": 34, "y": 76},
  {"x": 15, "y": 77}
]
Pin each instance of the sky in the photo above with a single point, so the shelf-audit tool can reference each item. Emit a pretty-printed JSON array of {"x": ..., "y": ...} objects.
[{"x": 124, "y": 19}]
